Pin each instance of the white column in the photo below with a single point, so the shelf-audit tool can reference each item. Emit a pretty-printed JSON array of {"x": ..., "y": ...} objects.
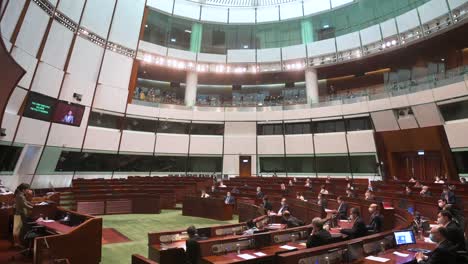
[
  {"x": 312, "y": 91},
  {"x": 191, "y": 88}
]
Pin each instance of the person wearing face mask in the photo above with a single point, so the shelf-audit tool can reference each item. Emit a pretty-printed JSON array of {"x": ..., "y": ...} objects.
[
  {"x": 284, "y": 207},
  {"x": 318, "y": 236},
  {"x": 376, "y": 223},
  {"x": 259, "y": 193},
  {"x": 441, "y": 203},
  {"x": 342, "y": 211},
  {"x": 448, "y": 195},
  {"x": 444, "y": 252},
  {"x": 322, "y": 201},
  {"x": 229, "y": 199},
  {"x": 454, "y": 232},
  {"x": 290, "y": 220},
  {"x": 359, "y": 227}
]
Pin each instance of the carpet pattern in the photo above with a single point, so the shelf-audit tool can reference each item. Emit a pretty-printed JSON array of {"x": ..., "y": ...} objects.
[
  {"x": 112, "y": 236},
  {"x": 136, "y": 227}
]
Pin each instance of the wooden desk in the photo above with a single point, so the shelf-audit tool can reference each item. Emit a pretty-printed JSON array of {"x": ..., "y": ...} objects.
[
  {"x": 207, "y": 208},
  {"x": 269, "y": 254},
  {"x": 395, "y": 259},
  {"x": 55, "y": 226},
  {"x": 6, "y": 220}
]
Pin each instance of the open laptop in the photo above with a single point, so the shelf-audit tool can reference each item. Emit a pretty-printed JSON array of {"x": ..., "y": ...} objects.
[{"x": 406, "y": 237}]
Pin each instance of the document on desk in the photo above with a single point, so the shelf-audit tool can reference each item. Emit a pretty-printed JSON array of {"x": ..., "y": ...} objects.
[
  {"x": 378, "y": 259},
  {"x": 246, "y": 256},
  {"x": 428, "y": 240},
  {"x": 400, "y": 254},
  {"x": 288, "y": 247},
  {"x": 260, "y": 254}
]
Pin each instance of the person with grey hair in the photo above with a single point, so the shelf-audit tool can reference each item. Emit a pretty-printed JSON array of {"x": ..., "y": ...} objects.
[
  {"x": 444, "y": 252},
  {"x": 318, "y": 236}
]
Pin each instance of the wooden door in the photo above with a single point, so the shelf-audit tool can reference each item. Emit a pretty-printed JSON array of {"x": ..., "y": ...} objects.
[{"x": 245, "y": 166}]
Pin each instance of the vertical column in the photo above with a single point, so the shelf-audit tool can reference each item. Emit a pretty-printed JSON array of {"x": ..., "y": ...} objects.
[
  {"x": 191, "y": 88},
  {"x": 307, "y": 31},
  {"x": 196, "y": 37},
  {"x": 312, "y": 91}
]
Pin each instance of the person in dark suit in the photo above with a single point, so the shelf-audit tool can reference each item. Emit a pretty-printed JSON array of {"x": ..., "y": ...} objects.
[
  {"x": 322, "y": 201},
  {"x": 259, "y": 193},
  {"x": 291, "y": 221},
  {"x": 342, "y": 210},
  {"x": 229, "y": 199},
  {"x": 283, "y": 189},
  {"x": 267, "y": 205},
  {"x": 454, "y": 231},
  {"x": 359, "y": 227},
  {"x": 350, "y": 193},
  {"x": 284, "y": 207},
  {"x": 444, "y": 252},
  {"x": 448, "y": 195},
  {"x": 318, "y": 236},
  {"x": 192, "y": 248},
  {"x": 376, "y": 222},
  {"x": 425, "y": 191}
]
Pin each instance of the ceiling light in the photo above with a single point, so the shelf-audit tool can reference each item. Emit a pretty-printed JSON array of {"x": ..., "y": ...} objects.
[{"x": 173, "y": 40}]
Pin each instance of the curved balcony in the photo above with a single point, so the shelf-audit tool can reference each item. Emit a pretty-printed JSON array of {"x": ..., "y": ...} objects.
[{"x": 253, "y": 103}]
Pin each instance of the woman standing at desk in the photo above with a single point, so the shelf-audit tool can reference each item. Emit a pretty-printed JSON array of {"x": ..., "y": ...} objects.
[{"x": 22, "y": 207}]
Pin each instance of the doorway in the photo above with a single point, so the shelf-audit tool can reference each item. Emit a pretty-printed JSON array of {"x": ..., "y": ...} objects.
[{"x": 245, "y": 166}]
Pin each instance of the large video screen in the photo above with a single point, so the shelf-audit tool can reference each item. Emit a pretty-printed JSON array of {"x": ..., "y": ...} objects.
[
  {"x": 39, "y": 106},
  {"x": 68, "y": 114}
]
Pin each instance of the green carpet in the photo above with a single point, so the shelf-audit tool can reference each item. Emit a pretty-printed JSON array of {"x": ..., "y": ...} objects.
[{"x": 137, "y": 226}]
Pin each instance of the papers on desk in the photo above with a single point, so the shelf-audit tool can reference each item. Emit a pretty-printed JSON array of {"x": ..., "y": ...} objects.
[
  {"x": 259, "y": 254},
  {"x": 43, "y": 203},
  {"x": 400, "y": 254},
  {"x": 246, "y": 256},
  {"x": 288, "y": 247},
  {"x": 378, "y": 259},
  {"x": 48, "y": 221},
  {"x": 275, "y": 224}
]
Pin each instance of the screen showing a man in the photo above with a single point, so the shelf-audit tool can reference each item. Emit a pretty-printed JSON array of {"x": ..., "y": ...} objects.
[
  {"x": 68, "y": 114},
  {"x": 69, "y": 118}
]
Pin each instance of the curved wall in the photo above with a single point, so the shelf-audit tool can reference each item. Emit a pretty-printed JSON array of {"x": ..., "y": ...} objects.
[{"x": 60, "y": 63}]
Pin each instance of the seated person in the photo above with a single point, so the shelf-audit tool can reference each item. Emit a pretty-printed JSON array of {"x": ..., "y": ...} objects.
[
  {"x": 328, "y": 180},
  {"x": 22, "y": 212},
  {"x": 290, "y": 183},
  {"x": 441, "y": 203},
  {"x": 229, "y": 199},
  {"x": 307, "y": 183},
  {"x": 291, "y": 221},
  {"x": 235, "y": 190},
  {"x": 369, "y": 195},
  {"x": 462, "y": 180},
  {"x": 448, "y": 195},
  {"x": 376, "y": 222},
  {"x": 251, "y": 228},
  {"x": 444, "y": 253},
  {"x": 318, "y": 236},
  {"x": 408, "y": 190},
  {"x": 454, "y": 231},
  {"x": 283, "y": 189},
  {"x": 425, "y": 191},
  {"x": 267, "y": 205},
  {"x": 412, "y": 179},
  {"x": 222, "y": 185},
  {"x": 259, "y": 193},
  {"x": 213, "y": 189},
  {"x": 417, "y": 184},
  {"x": 342, "y": 210},
  {"x": 192, "y": 248},
  {"x": 322, "y": 201},
  {"x": 359, "y": 227},
  {"x": 457, "y": 215},
  {"x": 395, "y": 178},
  {"x": 438, "y": 180},
  {"x": 204, "y": 194},
  {"x": 284, "y": 207},
  {"x": 350, "y": 193},
  {"x": 323, "y": 190},
  {"x": 350, "y": 186},
  {"x": 299, "y": 196}
]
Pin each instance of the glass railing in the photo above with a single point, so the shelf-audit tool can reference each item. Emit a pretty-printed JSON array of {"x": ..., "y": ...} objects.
[{"x": 386, "y": 90}]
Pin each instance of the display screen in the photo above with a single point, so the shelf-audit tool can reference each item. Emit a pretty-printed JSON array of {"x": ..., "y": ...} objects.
[
  {"x": 39, "y": 106},
  {"x": 404, "y": 237},
  {"x": 68, "y": 114}
]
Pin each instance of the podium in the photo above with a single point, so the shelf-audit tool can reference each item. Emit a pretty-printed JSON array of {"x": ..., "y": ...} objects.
[{"x": 212, "y": 208}]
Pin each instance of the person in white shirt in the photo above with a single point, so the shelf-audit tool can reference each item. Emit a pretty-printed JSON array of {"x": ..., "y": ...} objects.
[
  {"x": 204, "y": 194},
  {"x": 323, "y": 190},
  {"x": 438, "y": 180},
  {"x": 284, "y": 207},
  {"x": 307, "y": 183}
]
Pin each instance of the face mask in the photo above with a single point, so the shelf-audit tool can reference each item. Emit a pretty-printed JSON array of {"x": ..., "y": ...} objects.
[
  {"x": 282, "y": 204},
  {"x": 441, "y": 205},
  {"x": 432, "y": 238},
  {"x": 351, "y": 217}
]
